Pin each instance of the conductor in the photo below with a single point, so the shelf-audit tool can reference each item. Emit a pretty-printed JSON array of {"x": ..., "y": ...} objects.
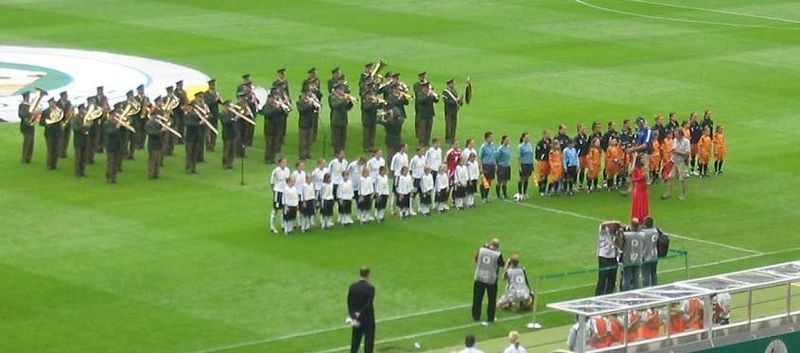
[{"x": 361, "y": 313}]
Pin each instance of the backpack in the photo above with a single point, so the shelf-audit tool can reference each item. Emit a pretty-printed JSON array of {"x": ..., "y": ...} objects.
[{"x": 662, "y": 245}]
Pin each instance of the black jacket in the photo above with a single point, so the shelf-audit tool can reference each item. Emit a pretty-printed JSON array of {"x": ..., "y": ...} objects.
[{"x": 359, "y": 300}]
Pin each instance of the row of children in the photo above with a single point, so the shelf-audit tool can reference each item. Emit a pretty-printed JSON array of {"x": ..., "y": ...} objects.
[{"x": 419, "y": 185}]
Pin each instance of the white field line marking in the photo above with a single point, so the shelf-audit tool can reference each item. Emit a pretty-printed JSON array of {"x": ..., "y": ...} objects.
[
  {"x": 578, "y": 215},
  {"x": 716, "y": 11},
  {"x": 584, "y": 3}
]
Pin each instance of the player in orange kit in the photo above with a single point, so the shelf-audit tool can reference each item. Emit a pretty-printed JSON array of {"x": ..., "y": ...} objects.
[
  {"x": 666, "y": 154},
  {"x": 704, "y": 152},
  {"x": 655, "y": 158},
  {"x": 615, "y": 160},
  {"x": 593, "y": 158},
  {"x": 719, "y": 149},
  {"x": 556, "y": 168}
]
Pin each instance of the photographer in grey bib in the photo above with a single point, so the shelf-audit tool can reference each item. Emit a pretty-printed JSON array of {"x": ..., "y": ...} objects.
[
  {"x": 488, "y": 262},
  {"x": 518, "y": 290},
  {"x": 649, "y": 253},
  {"x": 607, "y": 257},
  {"x": 631, "y": 243}
]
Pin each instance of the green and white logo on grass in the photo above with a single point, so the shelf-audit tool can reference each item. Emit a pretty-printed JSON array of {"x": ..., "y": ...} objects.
[{"x": 79, "y": 72}]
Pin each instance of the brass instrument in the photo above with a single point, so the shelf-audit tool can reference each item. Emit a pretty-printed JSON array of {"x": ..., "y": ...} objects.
[
  {"x": 433, "y": 93},
  {"x": 311, "y": 98},
  {"x": 161, "y": 120},
  {"x": 239, "y": 112},
  {"x": 377, "y": 67},
  {"x": 68, "y": 115},
  {"x": 132, "y": 108},
  {"x": 56, "y": 114},
  {"x": 120, "y": 119},
  {"x": 203, "y": 113},
  {"x": 40, "y": 93},
  {"x": 171, "y": 102},
  {"x": 350, "y": 97},
  {"x": 93, "y": 112}
]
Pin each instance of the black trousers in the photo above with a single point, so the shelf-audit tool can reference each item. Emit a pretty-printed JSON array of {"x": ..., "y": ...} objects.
[
  {"x": 478, "y": 289},
  {"x": 367, "y": 331},
  {"x": 607, "y": 277}
]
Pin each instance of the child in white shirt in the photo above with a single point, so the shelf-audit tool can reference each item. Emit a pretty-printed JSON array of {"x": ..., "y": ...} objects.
[
  {"x": 345, "y": 196},
  {"x": 405, "y": 186},
  {"x": 326, "y": 195},
  {"x": 291, "y": 200},
  {"x": 474, "y": 172},
  {"x": 308, "y": 200},
  {"x": 462, "y": 181},
  {"x": 366, "y": 189},
  {"x": 426, "y": 188},
  {"x": 442, "y": 189},
  {"x": 382, "y": 193}
]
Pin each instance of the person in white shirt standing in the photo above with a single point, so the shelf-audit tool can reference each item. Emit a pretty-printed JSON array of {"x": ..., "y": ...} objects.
[
  {"x": 318, "y": 175},
  {"x": 345, "y": 196},
  {"x": 375, "y": 163},
  {"x": 469, "y": 345},
  {"x": 461, "y": 183},
  {"x": 426, "y": 188},
  {"x": 291, "y": 200},
  {"x": 366, "y": 191},
  {"x": 417, "y": 167},
  {"x": 354, "y": 170},
  {"x": 433, "y": 157},
  {"x": 405, "y": 186},
  {"x": 515, "y": 346},
  {"x": 382, "y": 191},
  {"x": 474, "y": 175},
  {"x": 299, "y": 175},
  {"x": 328, "y": 199},
  {"x": 308, "y": 199},
  {"x": 277, "y": 181},
  {"x": 399, "y": 160},
  {"x": 442, "y": 189},
  {"x": 337, "y": 166}
]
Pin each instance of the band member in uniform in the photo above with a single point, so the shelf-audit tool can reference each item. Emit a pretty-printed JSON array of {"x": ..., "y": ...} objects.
[
  {"x": 394, "y": 131},
  {"x": 80, "y": 141},
  {"x": 336, "y": 74},
  {"x": 230, "y": 134},
  {"x": 213, "y": 100},
  {"x": 155, "y": 134},
  {"x": 241, "y": 124},
  {"x": 141, "y": 118},
  {"x": 340, "y": 103},
  {"x": 28, "y": 117},
  {"x": 272, "y": 112},
  {"x": 426, "y": 99},
  {"x": 193, "y": 133},
  {"x": 419, "y": 92},
  {"x": 488, "y": 262},
  {"x": 102, "y": 101},
  {"x": 112, "y": 129},
  {"x": 131, "y": 117},
  {"x": 312, "y": 84},
  {"x": 308, "y": 107},
  {"x": 67, "y": 108},
  {"x": 179, "y": 113},
  {"x": 369, "y": 117},
  {"x": 452, "y": 103},
  {"x": 51, "y": 120},
  {"x": 281, "y": 87}
]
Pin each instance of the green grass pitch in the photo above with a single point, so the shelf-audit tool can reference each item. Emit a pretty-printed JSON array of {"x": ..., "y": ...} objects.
[{"x": 185, "y": 265}]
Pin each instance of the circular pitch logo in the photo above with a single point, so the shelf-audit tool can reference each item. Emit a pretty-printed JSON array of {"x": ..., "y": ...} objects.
[
  {"x": 79, "y": 72},
  {"x": 777, "y": 346}
]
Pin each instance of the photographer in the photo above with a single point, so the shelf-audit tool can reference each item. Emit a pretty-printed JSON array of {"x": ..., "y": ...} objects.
[
  {"x": 607, "y": 257},
  {"x": 488, "y": 261},
  {"x": 518, "y": 289},
  {"x": 631, "y": 243}
]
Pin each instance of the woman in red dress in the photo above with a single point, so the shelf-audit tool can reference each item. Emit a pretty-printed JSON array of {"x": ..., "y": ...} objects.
[{"x": 640, "y": 201}]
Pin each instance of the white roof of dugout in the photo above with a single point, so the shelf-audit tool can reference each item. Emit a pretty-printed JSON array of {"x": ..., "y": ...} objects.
[{"x": 669, "y": 293}]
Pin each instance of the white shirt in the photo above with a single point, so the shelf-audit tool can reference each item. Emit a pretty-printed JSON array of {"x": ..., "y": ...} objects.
[
  {"x": 680, "y": 146},
  {"x": 327, "y": 191},
  {"x": 382, "y": 185},
  {"x": 399, "y": 160},
  {"x": 354, "y": 169},
  {"x": 336, "y": 167},
  {"x": 470, "y": 350},
  {"x": 345, "y": 190},
  {"x": 417, "y": 166},
  {"x": 473, "y": 170},
  {"x": 442, "y": 181},
  {"x": 374, "y": 165},
  {"x": 299, "y": 178},
  {"x": 318, "y": 175},
  {"x": 427, "y": 183},
  {"x": 514, "y": 349},
  {"x": 290, "y": 197},
  {"x": 433, "y": 157},
  {"x": 462, "y": 176},
  {"x": 308, "y": 193},
  {"x": 724, "y": 305},
  {"x": 278, "y": 178},
  {"x": 405, "y": 185},
  {"x": 606, "y": 247},
  {"x": 467, "y": 152},
  {"x": 366, "y": 187}
]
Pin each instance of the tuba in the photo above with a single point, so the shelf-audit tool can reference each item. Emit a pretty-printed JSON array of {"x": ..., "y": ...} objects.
[
  {"x": 56, "y": 115},
  {"x": 40, "y": 93},
  {"x": 171, "y": 102}
]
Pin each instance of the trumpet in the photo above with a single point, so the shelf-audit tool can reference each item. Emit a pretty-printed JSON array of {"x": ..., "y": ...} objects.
[
  {"x": 351, "y": 98},
  {"x": 377, "y": 67}
]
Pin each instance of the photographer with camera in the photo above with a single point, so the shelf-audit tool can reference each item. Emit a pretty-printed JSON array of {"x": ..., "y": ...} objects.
[{"x": 607, "y": 251}]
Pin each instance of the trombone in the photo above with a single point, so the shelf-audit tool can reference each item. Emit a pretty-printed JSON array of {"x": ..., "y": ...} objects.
[
  {"x": 160, "y": 119},
  {"x": 237, "y": 110},
  {"x": 203, "y": 113},
  {"x": 120, "y": 121}
]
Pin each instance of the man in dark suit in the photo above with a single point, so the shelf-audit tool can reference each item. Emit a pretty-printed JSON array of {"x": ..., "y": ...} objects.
[{"x": 362, "y": 315}]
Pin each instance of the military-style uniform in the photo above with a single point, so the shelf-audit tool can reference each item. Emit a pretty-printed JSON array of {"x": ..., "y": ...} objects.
[
  {"x": 26, "y": 127},
  {"x": 369, "y": 117},
  {"x": 191, "y": 138},
  {"x": 154, "y": 147},
  {"x": 81, "y": 143},
  {"x": 309, "y": 114},
  {"x": 419, "y": 89},
  {"x": 114, "y": 150},
  {"x": 52, "y": 136},
  {"x": 230, "y": 137},
  {"x": 101, "y": 101},
  {"x": 139, "y": 122},
  {"x": 452, "y": 103},
  {"x": 425, "y": 114},
  {"x": 394, "y": 131},
  {"x": 63, "y": 139},
  {"x": 242, "y": 129},
  {"x": 272, "y": 120},
  {"x": 212, "y": 100},
  {"x": 340, "y": 105},
  {"x": 178, "y": 115}
]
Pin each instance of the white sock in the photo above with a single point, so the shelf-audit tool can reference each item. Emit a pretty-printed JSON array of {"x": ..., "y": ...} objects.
[{"x": 272, "y": 219}]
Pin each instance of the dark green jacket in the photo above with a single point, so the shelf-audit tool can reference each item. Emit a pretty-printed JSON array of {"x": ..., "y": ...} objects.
[
  {"x": 339, "y": 108},
  {"x": 228, "y": 125},
  {"x": 113, "y": 136},
  {"x": 369, "y": 113},
  {"x": 425, "y": 109},
  {"x": 153, "y": 135},
  {"x": 24, "y": 118},
  {"x": 398, "y": 105},
  {"x": 308, "y": 114},
  {"x": 193, "y": 132},
  {"x": 451, "y": 105},
  {"x": 271, "y": 117},
  {"x": 79, "y": 139},
  {"x": 394, "y": 131}
]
